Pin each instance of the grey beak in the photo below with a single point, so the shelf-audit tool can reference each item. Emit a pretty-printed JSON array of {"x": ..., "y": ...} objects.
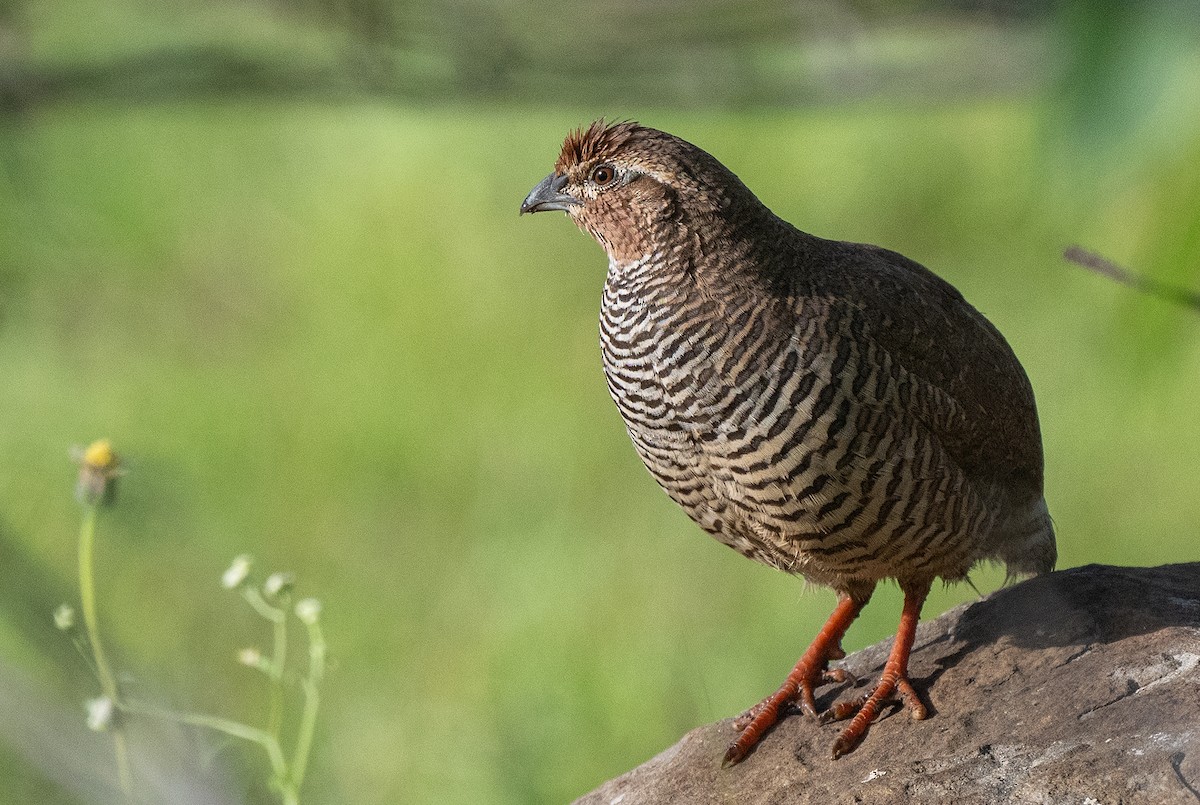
[{"x": 548, "y": 195}]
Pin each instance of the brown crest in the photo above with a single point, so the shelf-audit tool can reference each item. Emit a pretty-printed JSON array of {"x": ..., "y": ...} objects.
[{"x": 598, "y": 140}]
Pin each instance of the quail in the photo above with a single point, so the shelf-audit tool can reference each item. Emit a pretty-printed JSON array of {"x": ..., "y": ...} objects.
[{"x": 831, "y": 409}]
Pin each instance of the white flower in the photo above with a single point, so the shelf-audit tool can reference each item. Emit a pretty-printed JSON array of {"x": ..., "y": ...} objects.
[
  {"x": 250, "y": 657},
  {"x": 308, "y": 610},
  {"x": 64, "y": 617},
  {"x": 100, "y": 713},
  {"x": 277, "y": 584},
  {"x": 233, "y": 577}
]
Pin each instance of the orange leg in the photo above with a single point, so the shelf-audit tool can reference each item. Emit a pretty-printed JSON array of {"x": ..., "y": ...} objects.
[
  {"x": 809, "y": 672},
  {"x": 894, "y": 678}
]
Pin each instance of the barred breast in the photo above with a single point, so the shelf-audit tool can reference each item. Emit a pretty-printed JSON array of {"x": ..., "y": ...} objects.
[{"x": 785, "y": 431}]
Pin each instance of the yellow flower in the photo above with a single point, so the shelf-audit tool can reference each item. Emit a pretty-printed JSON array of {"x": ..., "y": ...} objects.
[
  {"x": 99, "y": 455},
  {"x": 99, "y": 468}
]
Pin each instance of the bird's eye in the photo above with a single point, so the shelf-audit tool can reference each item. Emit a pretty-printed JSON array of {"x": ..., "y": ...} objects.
[{"x": 603, "y": 174}]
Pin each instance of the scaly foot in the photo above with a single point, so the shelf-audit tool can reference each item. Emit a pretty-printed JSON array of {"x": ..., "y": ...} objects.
[
  {"x": 866, "y": 709},
  {"x": 810, "y": 672}
]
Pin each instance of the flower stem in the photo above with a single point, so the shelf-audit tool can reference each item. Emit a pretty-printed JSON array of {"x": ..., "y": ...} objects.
[
  {"x": 87, "y": 595},
  {"x": 278, "y": 663},
  {"x": 262, "y": 607},
  {"x": 278, "y": 618},
  {"x": 236, "y": 729},
  {"x": 308, "y": 718}
]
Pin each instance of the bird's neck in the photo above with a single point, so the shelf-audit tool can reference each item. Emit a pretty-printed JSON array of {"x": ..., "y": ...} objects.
[{"x": 728, "y": 252}]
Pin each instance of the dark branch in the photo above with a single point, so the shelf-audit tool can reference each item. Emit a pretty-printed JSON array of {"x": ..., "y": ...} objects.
[{"x": 1104, "y": 266}]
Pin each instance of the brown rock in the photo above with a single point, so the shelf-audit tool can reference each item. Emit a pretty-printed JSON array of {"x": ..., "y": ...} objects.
[{"x": 1081, "y": 686}]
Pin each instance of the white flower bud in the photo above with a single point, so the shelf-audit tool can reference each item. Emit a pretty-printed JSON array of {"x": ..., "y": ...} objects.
[
  {"x": 101, "y": 712},
  {"x": 250, "y": 657},
  {"x": 237, "y": 572},
  {"x": 64, "y": 617},
  {"x": 277, "y": 584},
  {"x": 308, "y": 610}
]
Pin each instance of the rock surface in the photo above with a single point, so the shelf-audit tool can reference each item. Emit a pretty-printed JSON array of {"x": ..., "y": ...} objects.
[{"x": 1081, "y": 686}]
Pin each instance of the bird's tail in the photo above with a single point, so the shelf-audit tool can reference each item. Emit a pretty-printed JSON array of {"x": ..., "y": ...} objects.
[{"x": 1028, "y": 548}]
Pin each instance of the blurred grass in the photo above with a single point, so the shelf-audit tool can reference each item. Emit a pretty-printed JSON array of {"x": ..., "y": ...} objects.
[{"x": 322, "y": 335}]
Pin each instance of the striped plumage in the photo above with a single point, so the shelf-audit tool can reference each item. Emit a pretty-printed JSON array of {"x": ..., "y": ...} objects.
[{"x": 831, "y": 409}]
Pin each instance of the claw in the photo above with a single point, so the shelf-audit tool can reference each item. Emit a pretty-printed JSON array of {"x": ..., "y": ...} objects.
[
  {"x": 845, "y": 744},
  {"x": 865, "y": 710},
  {"x": 837, "y": 676},
  {"x": 808, "y": 702},
  {"x": 733, "y": 755},
  {"x": 745, "y": 719},
  {"x": 842, "y": 710},
  {"x": 916, "y": 708}
]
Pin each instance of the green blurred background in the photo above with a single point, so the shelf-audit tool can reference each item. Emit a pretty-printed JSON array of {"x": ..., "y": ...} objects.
[{"x": 271, "y": 249}]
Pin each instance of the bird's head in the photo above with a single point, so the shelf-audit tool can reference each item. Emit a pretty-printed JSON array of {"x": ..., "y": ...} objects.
[{"x": 637, "y": 189}]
